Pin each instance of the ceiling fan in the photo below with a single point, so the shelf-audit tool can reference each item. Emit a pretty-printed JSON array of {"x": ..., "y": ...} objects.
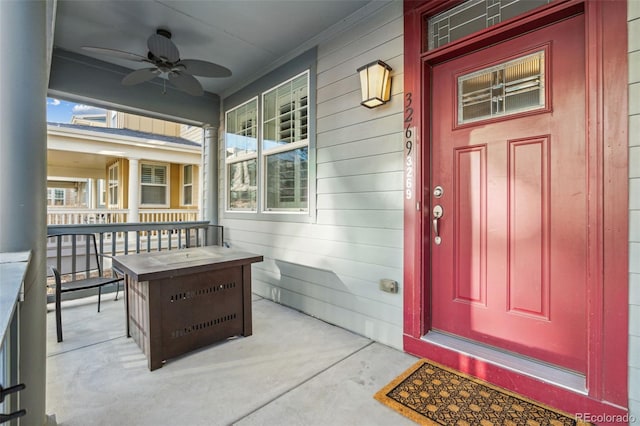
[{"x": 165, "y": 58}]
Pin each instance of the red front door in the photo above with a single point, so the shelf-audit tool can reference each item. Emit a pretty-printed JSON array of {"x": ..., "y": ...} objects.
[{"x": 509, "y": 152}]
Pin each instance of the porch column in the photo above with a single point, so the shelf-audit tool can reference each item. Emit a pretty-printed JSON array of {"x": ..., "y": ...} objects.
[
  {"x": 134, "y": 192},
  {"x": 94, "y": 193},
  {"x": 210, "y": 175},
  {"x": 23, "y": 183}
]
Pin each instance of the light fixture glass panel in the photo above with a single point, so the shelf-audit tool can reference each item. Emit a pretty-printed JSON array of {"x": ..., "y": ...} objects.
[
  {"x": 375, "y": 84},
  {"x": 512, "y": 87}
]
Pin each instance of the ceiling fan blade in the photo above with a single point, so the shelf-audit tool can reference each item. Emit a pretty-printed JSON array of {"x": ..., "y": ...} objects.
[
  {"x": 163, "y": 48},
  {"x": 115, "y": 53},
  {"x": 140, "y": 76},
  {"x": 186, "y": 83},
  {"x": 204, "y": 68}
]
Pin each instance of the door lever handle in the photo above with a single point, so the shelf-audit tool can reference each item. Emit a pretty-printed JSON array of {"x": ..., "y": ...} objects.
[{"x": 438, "y": 211}]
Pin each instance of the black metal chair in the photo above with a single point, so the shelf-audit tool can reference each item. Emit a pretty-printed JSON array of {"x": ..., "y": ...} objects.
[{"x": 79, "y": 266}]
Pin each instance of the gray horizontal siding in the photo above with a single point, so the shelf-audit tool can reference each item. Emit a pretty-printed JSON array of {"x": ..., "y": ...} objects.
[
  {"x": 331, "y": 268},
  {"x": 388, "y": 181},
  {"x": 342, "y": 267},
  {"x": 387, "y": 125},
  {"x": 312, "y": 232}
]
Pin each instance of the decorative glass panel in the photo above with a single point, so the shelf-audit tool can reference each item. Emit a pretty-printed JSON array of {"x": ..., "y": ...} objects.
[
  {"x": 472, "y": 16},
  {"x": 287, "y": 180},
  {"x": 242, "y": 185},
  {"x": 509, "y": 88}
]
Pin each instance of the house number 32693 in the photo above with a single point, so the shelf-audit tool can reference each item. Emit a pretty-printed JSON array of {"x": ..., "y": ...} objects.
[{"x": 409, "y": 142}]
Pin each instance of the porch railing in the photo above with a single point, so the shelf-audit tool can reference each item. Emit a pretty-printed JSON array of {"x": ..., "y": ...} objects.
[
  {"x": 77, "y": 216},
  {"x": 13, "y": 267},
  {"x": 123, "y": 238},
  {"x": 66, "y": 216},
  {"x": 169, "y": 215}
]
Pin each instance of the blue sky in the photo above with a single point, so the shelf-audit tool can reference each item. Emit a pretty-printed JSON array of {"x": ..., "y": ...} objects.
[{"x": 59, "y": 111}]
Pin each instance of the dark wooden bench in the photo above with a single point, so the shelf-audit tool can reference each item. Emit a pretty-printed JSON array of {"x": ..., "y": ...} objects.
[{"x": 79, "y": 266}]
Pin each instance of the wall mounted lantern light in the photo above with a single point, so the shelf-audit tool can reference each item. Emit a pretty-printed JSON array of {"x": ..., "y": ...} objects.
[{"x": 375, "y": 82}]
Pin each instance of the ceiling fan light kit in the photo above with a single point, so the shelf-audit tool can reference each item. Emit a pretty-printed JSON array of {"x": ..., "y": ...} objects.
[{"x": 165, "y": 58}]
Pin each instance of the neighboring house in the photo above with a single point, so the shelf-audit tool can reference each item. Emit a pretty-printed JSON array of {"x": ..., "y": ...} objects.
[
  {"x": 68, "y": 192},
  {"x": 136, "y": 169},
  {"x": 521, "y": 130}
]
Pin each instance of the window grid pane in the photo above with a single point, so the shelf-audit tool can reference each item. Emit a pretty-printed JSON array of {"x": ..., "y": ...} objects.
[
  {"x": 242, "y": 130},
  {"x": 113, "y": 185},
  {"x": 152, "y": 194},
  {"x": 153, "y": 187},
  {"x": 154, "y": 174},
  {"x": 188, "y": 174},
  {"x": 286, "y": 114},
  {"x": 287, "y": 180},
  {"x": 241, "y": 178},
  {"x": 187, "y": 195}
]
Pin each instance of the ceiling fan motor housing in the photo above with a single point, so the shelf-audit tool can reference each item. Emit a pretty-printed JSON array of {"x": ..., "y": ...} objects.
[{"x": 164, "y": 33}]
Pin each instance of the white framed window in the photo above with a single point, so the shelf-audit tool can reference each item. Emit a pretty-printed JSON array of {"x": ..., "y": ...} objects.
[
  {"x": 55, "y": 197},
  {"x": 154, "y": 184},
  {"x": 241, "y": 143},
  {"x": 267, "y": 165},
  {"x": 285, "y": 147},
  {"x": 102, "y": 193},
  {"x": 113, "y": 185},
  {"x": 187, "y": 185}
]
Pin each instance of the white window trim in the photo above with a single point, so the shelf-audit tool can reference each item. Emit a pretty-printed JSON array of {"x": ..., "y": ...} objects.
[{"x": 167, "y": 192}]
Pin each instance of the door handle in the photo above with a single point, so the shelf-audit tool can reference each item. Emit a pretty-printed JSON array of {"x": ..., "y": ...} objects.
[{"x": 438, "y": 211}]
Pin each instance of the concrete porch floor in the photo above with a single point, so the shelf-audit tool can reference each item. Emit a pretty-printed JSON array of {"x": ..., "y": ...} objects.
[{"x": 293, "y": 370}]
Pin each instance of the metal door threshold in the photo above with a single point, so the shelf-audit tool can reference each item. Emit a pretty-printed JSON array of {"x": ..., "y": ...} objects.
[{"x": 538, "y": 370}]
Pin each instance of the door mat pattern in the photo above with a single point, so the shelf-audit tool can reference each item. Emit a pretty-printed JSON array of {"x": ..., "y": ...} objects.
[{"x": 432, "y": 394}]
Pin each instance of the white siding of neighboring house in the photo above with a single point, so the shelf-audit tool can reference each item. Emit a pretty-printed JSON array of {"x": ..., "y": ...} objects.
[
  {"x": 331, "y": 268},
  {"x": 634, "y": 207},
  {"x": 192, "y": 133}
]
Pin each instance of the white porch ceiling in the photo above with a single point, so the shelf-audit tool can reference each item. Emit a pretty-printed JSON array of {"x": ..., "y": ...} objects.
[
  {"x": 247, "y": 36},
  {"x": 76, "y": 164}
]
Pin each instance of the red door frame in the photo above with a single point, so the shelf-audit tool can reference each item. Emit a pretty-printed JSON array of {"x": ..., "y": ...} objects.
[{"x": 607, "y": 140}]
